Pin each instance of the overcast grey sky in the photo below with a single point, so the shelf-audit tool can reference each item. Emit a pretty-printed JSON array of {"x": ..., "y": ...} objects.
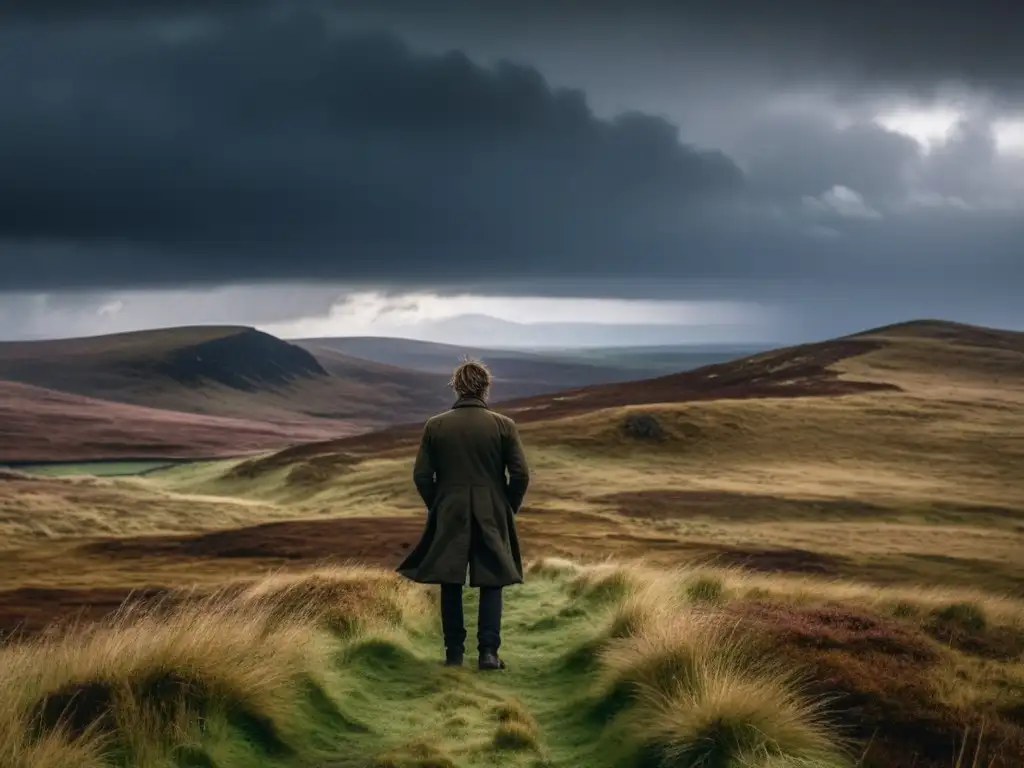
[{"x": 330, "y": 167}]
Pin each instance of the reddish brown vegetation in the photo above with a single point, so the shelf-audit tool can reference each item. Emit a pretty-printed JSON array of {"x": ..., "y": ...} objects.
[
  {"x": 668, "y": 504},
  {"x": 963, "y": 626},
  {"x": 27, "y": 611},
  {"x": 802, "y": 371},
  {"x": 779, "y": 559},
  {"x": 875, "y": 671},
  {"x": 371, "y": 540},
  {"x": 46, "y": 425}
]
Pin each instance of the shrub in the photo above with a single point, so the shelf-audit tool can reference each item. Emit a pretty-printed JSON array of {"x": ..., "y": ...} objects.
[{"x": 643, "y": 426}]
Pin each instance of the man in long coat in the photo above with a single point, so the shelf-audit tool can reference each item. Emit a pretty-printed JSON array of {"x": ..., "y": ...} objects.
[{"x": 460, "y": 473}]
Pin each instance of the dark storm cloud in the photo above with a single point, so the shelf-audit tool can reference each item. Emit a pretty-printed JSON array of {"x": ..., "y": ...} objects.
[
  {"x": 790, "y": 158},
  {"x": 254, "y": 147},
  {"x": 275, "y": 149},
  {"x": 974, "y": 40}
]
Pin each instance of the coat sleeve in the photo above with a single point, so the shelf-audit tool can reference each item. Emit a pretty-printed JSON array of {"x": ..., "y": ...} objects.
[
  {"x": 515, "y": 463},
  {"x": 423, "y": 470}
]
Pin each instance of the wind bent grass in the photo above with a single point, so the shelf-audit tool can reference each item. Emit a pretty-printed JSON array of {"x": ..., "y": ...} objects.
[{"x": 611, "y": 665}]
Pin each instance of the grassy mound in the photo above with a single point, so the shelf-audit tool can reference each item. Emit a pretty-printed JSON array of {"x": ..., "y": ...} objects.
[{"x": 610, "y": 666}]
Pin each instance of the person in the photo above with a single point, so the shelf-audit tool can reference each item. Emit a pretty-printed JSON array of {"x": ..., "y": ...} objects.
[{"x": 460, "y": 473}]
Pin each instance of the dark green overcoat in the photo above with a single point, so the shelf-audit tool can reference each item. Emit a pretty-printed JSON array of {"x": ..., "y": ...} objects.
[{"x": 460, "y": 473}]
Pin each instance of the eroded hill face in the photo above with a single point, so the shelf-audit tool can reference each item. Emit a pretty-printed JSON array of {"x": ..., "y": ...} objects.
[
  {"x": 249, "y": 361},
  {"x": 112, "y": 366}
]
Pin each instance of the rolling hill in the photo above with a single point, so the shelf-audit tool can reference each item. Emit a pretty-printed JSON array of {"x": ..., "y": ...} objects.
[
  {"x": 194, "y": 391},
  {"x": 40, "y": 425},
  {"x": 834, "y": 524},
  {"x": 252, "y": 390},
  {"x": 211, "y": 370},
  {"x": 888, "y": 416}
]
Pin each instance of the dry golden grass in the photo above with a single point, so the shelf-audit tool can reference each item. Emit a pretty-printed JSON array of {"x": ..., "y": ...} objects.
[
  {"x": 683, "y": 644},
  {"x": 149, "y": 680},
  {"x": 144, "y": 683},
  {"x": 347, "y": 600},
  {"x": 669, "y": 657},
  {"x": 146, "y": 680},
  {"x": 694, "y": 692}
]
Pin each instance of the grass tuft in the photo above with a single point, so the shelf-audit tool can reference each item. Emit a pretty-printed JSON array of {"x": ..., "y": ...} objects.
[
  {"x": 345, "y": 600},
  {"x": 419, "y": 754},
  {"x": 904, "y": 609},
  {"x": 515, "y": 737},
  {"x": 706, "y": 589},
  {"x": 552, "y": 568},
  {"x": 150, "y": 685},
  {"x": 632, "y": 667},
  {"x": 966, "y": 616},
  {"x": 603, "y": 584},
  {"x": 693, "y": 694}
]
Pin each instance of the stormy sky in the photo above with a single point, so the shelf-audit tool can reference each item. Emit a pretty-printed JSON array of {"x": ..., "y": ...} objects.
[{"x": 781, "y": 170}]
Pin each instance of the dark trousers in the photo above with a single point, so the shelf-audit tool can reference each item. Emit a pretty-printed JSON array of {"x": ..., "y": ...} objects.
[{"x": 453, "y": 622}]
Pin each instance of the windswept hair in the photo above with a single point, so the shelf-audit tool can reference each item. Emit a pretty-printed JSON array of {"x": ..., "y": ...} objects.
[{"x": 471, "y": 379}]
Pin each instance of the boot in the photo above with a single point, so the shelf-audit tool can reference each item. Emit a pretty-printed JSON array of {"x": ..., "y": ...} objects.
[
  {"x": 453, "y": 658},
  {"x": 489, "y": 660}
]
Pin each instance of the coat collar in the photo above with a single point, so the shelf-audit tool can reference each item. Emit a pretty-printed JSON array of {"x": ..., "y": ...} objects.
[{"x": 469, "y": 402}]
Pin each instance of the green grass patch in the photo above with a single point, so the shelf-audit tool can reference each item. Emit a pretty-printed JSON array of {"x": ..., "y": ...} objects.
[
  {"x": 705, "y": 589},
  {"x": 965, "y": 617}
]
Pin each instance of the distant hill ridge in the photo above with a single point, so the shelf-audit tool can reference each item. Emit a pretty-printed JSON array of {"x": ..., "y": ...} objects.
[
  {"x": 947, "y": 331},
  {"x": 278, "y": 393},
  {"x": 236, "y": 357},
  {"x": 244, "y": 360}
]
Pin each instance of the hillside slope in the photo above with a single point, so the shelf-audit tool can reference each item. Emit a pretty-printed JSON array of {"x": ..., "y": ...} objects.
[
  {"x": 891, "y": 421},
  {"x": 807, "y": 370},
  {"x": 173, "y": 362},
  {"x": 221, "y": 371},
  {"x": 39, "y": 425},
  {"x": 66, "y": 397}
]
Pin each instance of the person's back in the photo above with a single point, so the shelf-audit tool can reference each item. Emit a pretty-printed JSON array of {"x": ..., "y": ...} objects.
[{"x": 460, "y": 473}]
